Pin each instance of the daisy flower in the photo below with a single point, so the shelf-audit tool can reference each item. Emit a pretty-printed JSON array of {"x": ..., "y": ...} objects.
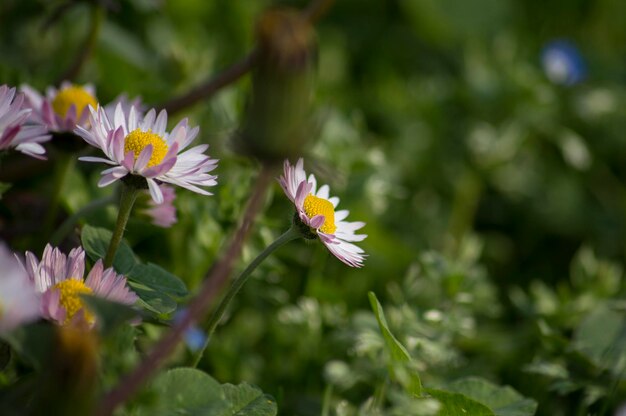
[
  {"x": 13, "y": 134},
  {"x": 19, "y": 302},
  {"x": 61, "y": 110},
  {"x": 163, "y": 214},
  {"x": 140, "y": 146},
  {"x": 60, "y": 281},
  {"x": 316, "y": 211}
]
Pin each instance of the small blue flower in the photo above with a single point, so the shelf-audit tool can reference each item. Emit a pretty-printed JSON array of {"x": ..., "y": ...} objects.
[
  {"x": 194, "y": 336},
  {"x": 563, "y": 63}
]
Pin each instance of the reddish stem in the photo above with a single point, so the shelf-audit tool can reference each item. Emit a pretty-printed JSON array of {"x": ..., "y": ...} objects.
[{"x": 215, "y": 281}]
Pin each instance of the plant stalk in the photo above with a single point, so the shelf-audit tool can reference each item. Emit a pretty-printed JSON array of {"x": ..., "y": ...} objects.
[
  {"x": 64, "y": 167},
  {"x": 127, "y": 200},
  {"x": 213, "y": 283},
  {"x": 97, "y": 17},
  {"x": 289, "y": 235},
  {"x": 64, "y": 229}
]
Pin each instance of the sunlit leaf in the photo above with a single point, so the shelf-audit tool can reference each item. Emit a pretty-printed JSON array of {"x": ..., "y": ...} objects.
[
  {"x": 456, "y": 404},
  {"x": 398, "y": 353},
  {"x": 503, "y": 401},
  {"x": 158, "y": 279},
  {"x": 247, "y": 400},
  {"x": 153, "y": 300},
  {"x": 96, "y": 242},
  {"x": 186, "y": 391}
]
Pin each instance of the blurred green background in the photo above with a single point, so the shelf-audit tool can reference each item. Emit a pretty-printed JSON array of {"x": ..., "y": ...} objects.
[{"x": 495, "y": 198}]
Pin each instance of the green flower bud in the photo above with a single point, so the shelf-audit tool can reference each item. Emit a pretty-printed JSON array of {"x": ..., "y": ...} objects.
[{"x": 277, "y": 121}]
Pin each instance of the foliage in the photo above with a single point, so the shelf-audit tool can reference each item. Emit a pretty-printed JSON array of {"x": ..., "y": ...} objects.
[{"x": 494, "y": 199}]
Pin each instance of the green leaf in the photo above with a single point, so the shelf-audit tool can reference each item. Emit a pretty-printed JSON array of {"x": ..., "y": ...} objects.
[
  {"x": 153, "y": 300},
  {"x": 158, "y": 279},
  {"x": 247, "y": 400},
  {"x": 155, "y": 286},
  {"x": 109, "y": 314},
  {"x": 455, "y": 404},
  {"x": 96, "y": 242},
  {"x": 185, "y": 391},
  {"x": 76, "y": 191},
  {"x": 398, "y": 353},
  {"x": 4, "y": 187},
  {"x": 503, "y": 401},
  {"x": 601, "y": 336}
]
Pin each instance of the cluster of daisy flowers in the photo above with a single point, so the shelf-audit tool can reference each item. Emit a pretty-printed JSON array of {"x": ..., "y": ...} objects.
[{"x": 137, "y": 148}]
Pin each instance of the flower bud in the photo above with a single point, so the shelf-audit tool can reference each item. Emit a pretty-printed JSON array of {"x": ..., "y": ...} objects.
[{"x": 277, "y": 122}]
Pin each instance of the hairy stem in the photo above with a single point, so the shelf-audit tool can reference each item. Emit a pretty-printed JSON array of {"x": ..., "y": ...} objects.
[
  {"x": 238, "y": 283},
  {"x": 315, "y": 10},
  {"x": 97, "y": 17},
  {"x": 127, "y": 200},
  {"x": 63, "y": 167},
  {"x": 213, "y": 85},
  {"x": 64, "y": 229},
  {"x": 216, "y": 277}
]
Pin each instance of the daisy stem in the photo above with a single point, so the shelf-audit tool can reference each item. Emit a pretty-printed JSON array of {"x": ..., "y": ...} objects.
[
  {"x": 61, "y": 232},
  {"x": 97, "y": 17},
  {"x": 127, "y": 200},
  {"x": 313, "y": 13},
  {"x": 289, "y": 235},
  {"x": 216, "y": 277},
  {"x": 64, "y": 166}
]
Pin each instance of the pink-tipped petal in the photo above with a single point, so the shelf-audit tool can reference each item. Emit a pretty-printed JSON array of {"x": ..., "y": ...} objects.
[
  {"x": 187, "y": 169},
  {"x": 317, "y": 221}
]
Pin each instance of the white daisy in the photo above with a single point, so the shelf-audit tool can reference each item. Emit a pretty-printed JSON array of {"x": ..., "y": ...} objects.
[
  {"x": 62, "y": 109},
  {"x": 19, "y": 302},
  {"x": 60, "y": 279},
  {"x": 140, "y": 146},
  {"x": 316, "y": 210},
  {"x": 13, "y": 132}
]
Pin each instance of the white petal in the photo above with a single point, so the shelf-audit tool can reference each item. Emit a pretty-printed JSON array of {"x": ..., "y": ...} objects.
[{"x": 155, "y": 191}]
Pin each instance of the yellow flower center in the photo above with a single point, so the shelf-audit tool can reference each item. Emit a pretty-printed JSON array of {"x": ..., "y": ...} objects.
[
  {"x": 138, "y": 140},
  {"x": 73, "y": 95},
  {"x": 319, "y": 206},
  {"x": 70, "y": 300}
]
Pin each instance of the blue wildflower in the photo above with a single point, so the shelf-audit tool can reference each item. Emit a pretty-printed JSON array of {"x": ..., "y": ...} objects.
[{"x": 563, "y": 63}]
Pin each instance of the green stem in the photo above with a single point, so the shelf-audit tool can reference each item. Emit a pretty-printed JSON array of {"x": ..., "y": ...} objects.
[
  {"x": 291, "y": 234},
  {"x": 97, "y": 17},
  {"x": 127, "y": 200},
  {"x": 328, "y": 393},
  {"x": 64, "y": 166},
  {"x": 64, "y": 229}
]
